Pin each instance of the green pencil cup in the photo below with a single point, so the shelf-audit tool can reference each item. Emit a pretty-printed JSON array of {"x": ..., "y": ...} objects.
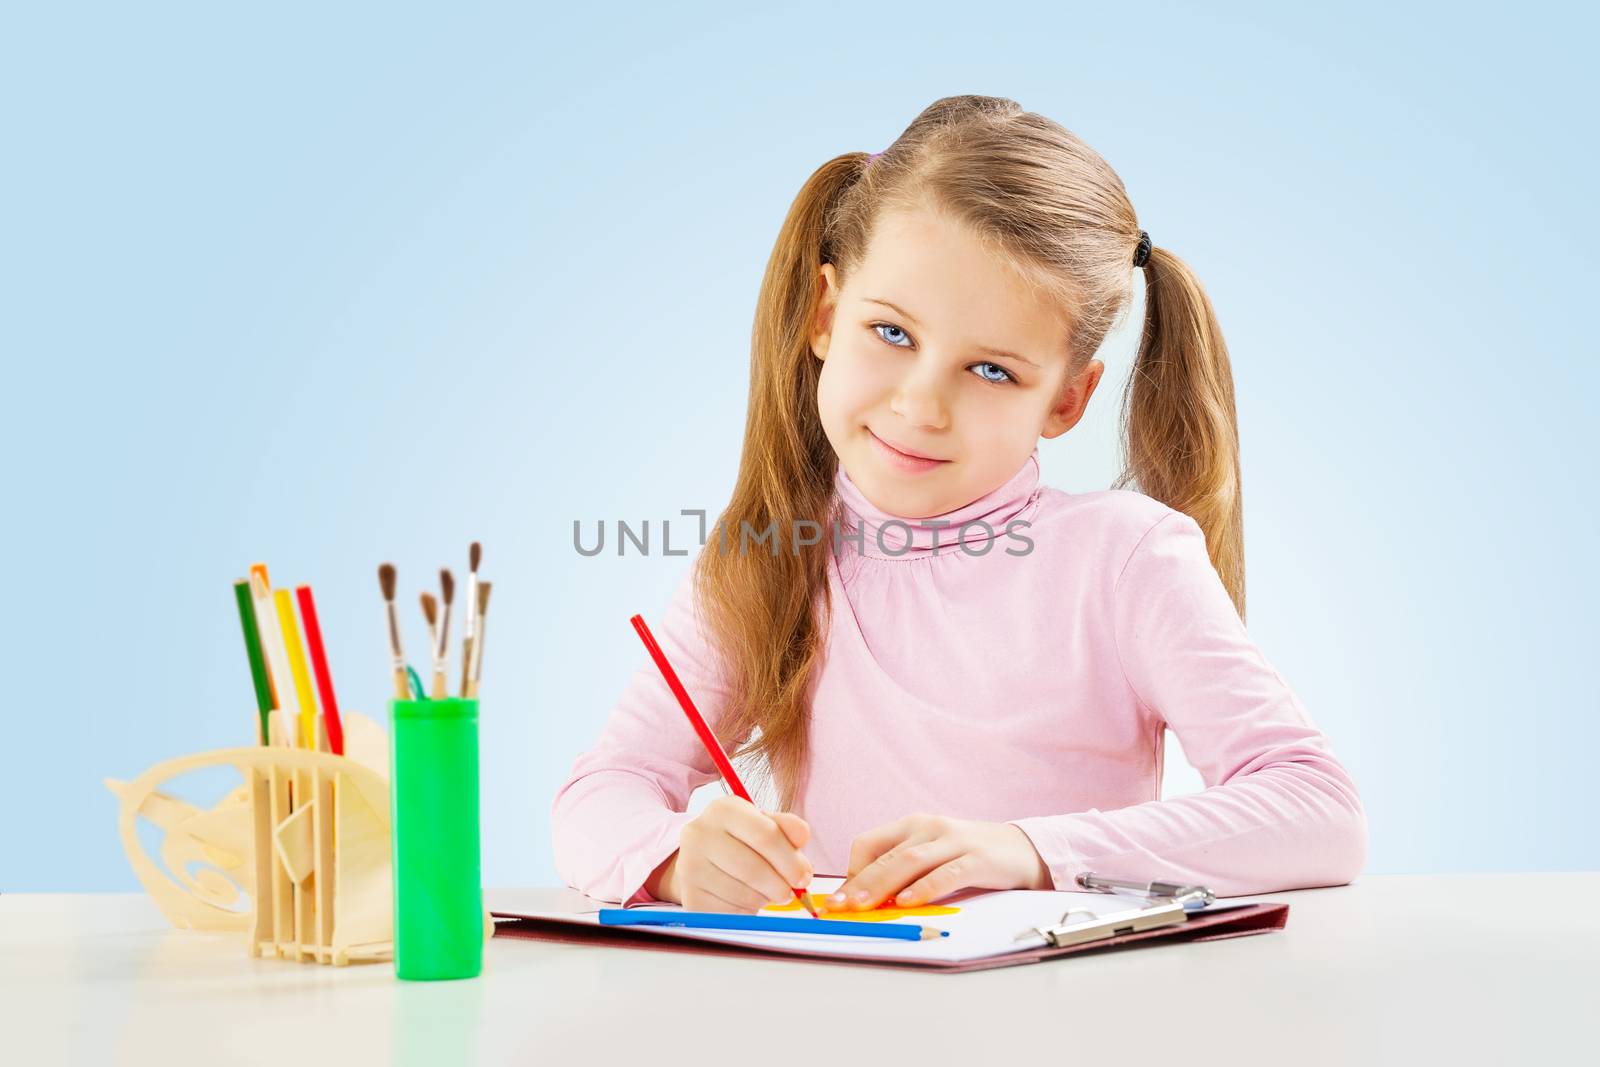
[{"x": 438, "y": 886}]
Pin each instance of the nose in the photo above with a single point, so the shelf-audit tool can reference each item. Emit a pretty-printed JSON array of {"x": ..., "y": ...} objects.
[{"x": 919, "y": 400}]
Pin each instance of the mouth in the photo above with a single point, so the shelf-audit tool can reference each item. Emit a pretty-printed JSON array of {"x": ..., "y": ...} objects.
[{"x": 903, "y": 458}]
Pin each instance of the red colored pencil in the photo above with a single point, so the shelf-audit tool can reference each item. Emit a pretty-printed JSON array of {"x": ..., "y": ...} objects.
[
  {"x": 707, "y": 738},
  {"x": 319, "y": 667}
]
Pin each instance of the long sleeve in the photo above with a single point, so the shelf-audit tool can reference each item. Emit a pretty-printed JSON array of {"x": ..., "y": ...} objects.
[
  {"x": 1279, "y": 811},
  {"x": 619, "y": 814}
]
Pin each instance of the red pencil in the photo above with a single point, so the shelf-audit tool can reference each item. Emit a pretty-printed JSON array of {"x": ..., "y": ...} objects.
[
  {"x": 319, "y": 667},
  {"x": 707, "y": 738}
]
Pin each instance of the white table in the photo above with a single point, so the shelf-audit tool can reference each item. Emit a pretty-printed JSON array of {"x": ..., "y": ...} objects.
[{"x": 1392, "y": 969}]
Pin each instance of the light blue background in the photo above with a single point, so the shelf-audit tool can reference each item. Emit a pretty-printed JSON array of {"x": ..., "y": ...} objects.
[{"x": 328, "y": 288}]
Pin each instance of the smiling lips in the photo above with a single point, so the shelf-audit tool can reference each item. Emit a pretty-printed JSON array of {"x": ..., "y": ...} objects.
[{"x": 910, "y": 462}]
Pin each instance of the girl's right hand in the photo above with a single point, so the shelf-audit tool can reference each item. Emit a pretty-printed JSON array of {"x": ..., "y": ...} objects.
[{"x": 734, "y": 857}]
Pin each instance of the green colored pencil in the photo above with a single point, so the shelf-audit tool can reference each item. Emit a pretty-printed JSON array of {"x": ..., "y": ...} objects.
[{"x": 252, "y": 647}]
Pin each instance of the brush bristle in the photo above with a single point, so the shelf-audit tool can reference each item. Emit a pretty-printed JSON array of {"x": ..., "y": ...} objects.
[
  {"x": 474, "y": 554},
  {"x": 447, "y": 582},
  {"x": 483, "y": 598},
  {"x": 430, "y": 608},
  {"x": 386, "y": 580}
]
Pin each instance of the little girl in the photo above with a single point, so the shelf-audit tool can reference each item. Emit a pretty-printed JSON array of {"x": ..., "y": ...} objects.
[{"x": 955, "y": 676}]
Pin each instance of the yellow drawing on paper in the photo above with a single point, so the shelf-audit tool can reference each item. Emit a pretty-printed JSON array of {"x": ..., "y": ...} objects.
[{"x": 871, "y": 915}]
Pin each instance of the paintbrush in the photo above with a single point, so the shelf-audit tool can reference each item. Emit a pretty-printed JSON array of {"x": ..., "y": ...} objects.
[
  {"x": 386, "y": 583},
  {"x": 441, "y": 646},
  {"x": 477, "y": 641},
  {"x": 474, "y": 556},
  {"x": 430, "y": 611}
]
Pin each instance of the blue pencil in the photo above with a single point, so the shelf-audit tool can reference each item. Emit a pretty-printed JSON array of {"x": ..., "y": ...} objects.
[{"x": 712, "y": 920}]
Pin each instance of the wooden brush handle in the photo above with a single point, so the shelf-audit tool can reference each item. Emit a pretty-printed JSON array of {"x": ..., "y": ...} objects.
[
  {"x": 466, "y": 666},
  {"x": 402, "y": 691}
]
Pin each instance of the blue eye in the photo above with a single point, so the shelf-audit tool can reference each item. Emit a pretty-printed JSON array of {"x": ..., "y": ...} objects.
[
  {"x": 881, "y": 326},
  {"x": 1004, "y": 375}
]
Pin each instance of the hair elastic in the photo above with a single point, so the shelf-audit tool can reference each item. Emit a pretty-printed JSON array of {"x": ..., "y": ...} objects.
[{"x": 1141, "y": 255}]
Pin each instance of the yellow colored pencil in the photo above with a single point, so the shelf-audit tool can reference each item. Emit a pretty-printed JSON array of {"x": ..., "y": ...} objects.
[
  {"x": 277, "y": 660},
  {"x": 304, "y": 696}
]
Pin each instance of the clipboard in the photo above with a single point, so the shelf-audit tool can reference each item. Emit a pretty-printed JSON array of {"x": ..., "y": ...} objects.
[{"x": 568, "y": 918}]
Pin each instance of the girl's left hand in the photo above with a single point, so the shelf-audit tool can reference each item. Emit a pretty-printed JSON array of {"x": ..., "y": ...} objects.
[{"x": 924, "y": 857}]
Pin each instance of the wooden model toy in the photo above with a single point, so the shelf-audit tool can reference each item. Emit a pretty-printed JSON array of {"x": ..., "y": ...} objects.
[{"x": 306, "y": 837}]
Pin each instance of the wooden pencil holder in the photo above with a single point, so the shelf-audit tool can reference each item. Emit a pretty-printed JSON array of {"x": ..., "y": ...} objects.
[{"x": 306, "y": 837}]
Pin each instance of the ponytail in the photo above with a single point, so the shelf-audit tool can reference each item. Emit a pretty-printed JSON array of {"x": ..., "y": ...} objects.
[
  {"x": 768, "y": 612},
  {"x": 1182, "y": 434},
  {"x": 784, "y": 310}
]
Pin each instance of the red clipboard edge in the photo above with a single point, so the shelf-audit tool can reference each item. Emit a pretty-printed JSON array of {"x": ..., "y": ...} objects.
[{"x": 1212, "y": 924}]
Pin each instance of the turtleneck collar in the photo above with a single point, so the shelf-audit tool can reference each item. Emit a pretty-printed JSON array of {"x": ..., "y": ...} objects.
[{"x": 889, "y": 536}]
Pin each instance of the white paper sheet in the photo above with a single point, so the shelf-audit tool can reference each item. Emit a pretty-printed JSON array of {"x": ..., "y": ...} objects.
[{"x": 987, "y": 925}]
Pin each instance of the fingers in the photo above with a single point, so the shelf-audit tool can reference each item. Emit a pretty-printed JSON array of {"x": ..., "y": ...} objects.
[
  {"x": 874, "y": 843},
  {"x": 725, "y": 892},
  {"x": 725, "y": 868},
  {"x": 740, "y": 855},
  {"x": 699, "y": 898},
  {"x": 793, "y": 826},
  {"x": 705, "y": 900},
  {"x": 954, "y": 874},
  {"x": 896, "y": 869},
  {"x": 761, "y": 833},
  {"x": 735, "y": 857}
]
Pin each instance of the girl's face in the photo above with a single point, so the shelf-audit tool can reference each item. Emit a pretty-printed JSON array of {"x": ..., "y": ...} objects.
[{"x": 941, "y": 369}]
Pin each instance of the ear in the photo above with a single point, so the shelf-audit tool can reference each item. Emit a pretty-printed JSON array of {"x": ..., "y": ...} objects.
[
  {"x": 822, "y": 323},
  {"x": 1074, "y": 398}
]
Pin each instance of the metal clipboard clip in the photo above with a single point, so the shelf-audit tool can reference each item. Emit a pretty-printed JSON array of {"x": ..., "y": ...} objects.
[
  {"x": 1080, "y": 924},
  {"x": 1169, "y": 904}
]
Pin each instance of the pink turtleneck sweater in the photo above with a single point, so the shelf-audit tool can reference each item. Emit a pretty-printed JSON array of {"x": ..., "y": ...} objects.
[{"x": 1028, "y": 684}]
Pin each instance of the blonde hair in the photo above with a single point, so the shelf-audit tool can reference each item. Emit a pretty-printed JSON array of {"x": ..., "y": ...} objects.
[{"x": 1030, "y": 189}]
